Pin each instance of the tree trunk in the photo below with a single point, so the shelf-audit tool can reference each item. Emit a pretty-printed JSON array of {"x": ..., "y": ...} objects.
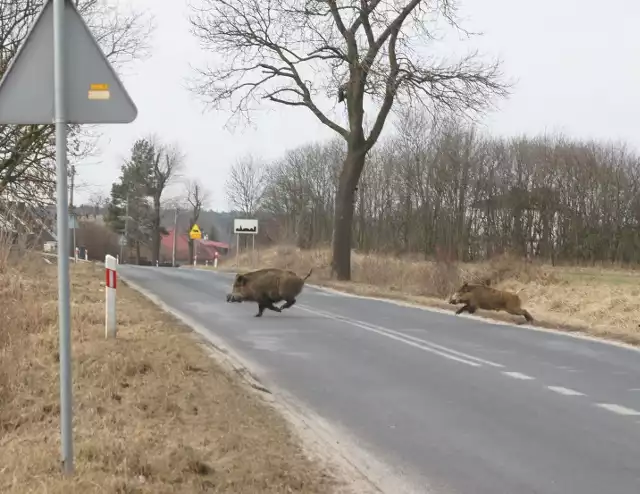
[{"x": 344, "y": 209}]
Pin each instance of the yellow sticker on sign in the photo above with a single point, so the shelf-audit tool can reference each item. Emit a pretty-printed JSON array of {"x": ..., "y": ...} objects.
[{"x": 99, "y": 91}]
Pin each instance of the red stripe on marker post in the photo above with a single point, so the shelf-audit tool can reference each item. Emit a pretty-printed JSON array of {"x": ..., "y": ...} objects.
[{"x": 111, "y": 278}]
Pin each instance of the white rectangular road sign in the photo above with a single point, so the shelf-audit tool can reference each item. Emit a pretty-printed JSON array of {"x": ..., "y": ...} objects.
[
  {"x": 247, "y": 226},
  {"x": 93, "y": 91}
]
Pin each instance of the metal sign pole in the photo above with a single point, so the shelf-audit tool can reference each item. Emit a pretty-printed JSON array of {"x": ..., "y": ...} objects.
[
  {"x": 86, "y": 91},
  {"x": 66, "y": 410},
  {"x": 237, "y": 250}
]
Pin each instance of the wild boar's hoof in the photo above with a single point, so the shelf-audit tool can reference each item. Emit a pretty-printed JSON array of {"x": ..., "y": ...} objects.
[{"x": 228, "y": 297}]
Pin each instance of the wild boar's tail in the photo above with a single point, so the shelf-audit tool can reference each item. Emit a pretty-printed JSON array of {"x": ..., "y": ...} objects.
[{"x": 308, "y": 274}]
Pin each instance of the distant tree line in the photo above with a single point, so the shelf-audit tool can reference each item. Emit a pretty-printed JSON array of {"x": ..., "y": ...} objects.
[{"x": 450, "y": 191}]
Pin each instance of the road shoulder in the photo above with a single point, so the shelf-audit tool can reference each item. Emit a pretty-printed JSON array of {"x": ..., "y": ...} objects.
[
  {"x": 357, "y": 469},
  {"x": 153, "y": 412}
]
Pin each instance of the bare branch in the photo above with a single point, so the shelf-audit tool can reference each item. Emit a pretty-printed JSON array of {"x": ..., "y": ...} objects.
[
  {"x": 197, "y": 197},
  {"x": 269, "y": 48},
  {"x": 253, "y": 37},
  {"x": 245, "y": 185},
  {"x": 27, "y": 152}
]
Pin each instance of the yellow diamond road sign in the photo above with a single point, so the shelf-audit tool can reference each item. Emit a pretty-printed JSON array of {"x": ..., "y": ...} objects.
[{"x": 195, "y": 233}]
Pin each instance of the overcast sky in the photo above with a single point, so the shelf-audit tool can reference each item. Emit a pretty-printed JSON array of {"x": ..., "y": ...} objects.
[{"x": 575, "y": 63}]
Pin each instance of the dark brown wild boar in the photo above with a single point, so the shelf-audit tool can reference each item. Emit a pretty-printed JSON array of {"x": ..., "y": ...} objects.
[
  {"x": 235, "y": 295},
  {"x": 481, "y": 296},
  {"x": 266, "y": 287}
]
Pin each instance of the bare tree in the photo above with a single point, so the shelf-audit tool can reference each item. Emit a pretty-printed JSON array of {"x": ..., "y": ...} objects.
[
  {"x": 165, "y": 165},
  {"x": 197, "y": 197},
  {"x": 27, "y": 152},
  {"x": 98, "y": 201},
  {"x": 245, "y": 185},
  {"x": 364, "y": 50}
]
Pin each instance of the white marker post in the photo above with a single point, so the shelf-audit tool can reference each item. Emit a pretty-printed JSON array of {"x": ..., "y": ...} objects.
[
  {"x": 111, "y": 272},
  {"x": 215, "y": 260}
]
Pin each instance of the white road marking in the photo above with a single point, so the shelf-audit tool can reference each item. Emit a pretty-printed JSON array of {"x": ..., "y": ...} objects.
[
  {"x": 420, "y": 341},
  {"x": 565, "y": 391},
  {"x": 444, "y": 348},
  {"x": 518, "y": 375},
  {"x": 389, "y": 334},
  {"x": 556, "y": 332},
  {"x": 619, "y": 409}
]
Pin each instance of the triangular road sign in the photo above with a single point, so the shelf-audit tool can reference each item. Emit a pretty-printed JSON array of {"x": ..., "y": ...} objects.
[
  {"x": 94, "y": 93},
  {"x": 195, "y": 232}
]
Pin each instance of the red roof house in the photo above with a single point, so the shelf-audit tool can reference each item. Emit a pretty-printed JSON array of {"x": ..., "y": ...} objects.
[{"x": 204, "y": 249}]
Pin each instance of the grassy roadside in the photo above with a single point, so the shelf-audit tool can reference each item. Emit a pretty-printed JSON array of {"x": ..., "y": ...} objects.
[
  {"x": 153, "y": 412},
  {"x": 598, "y": 301}
]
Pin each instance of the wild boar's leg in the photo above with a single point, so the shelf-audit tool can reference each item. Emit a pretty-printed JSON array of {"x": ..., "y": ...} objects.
[
  {"x": 288, "y": 303},
  {"x": 272, "y": 307},
  {"x": 261, "y": 308},
  {"x": 521, "y": 312},
  {"x": 266, "y": 305},
  {"x": 466, "y": 307}
]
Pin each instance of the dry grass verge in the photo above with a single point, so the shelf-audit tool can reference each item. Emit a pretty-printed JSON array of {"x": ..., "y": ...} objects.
[
  {"x": 153, "y": 412},
  {"x": 598, "y": 301}
]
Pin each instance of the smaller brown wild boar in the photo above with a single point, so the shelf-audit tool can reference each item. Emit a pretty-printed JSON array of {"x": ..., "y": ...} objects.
[
  {"x": 266, "y": 287},
  {"x": 482, "y": 296}
]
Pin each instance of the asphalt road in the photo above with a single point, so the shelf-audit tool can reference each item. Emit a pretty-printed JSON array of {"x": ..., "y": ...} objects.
[{"x": 458, "y": 405}]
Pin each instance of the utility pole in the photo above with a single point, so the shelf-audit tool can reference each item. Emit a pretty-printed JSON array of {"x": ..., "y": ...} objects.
[
  {"x": 175, "y": 237},
  {"x": 74, "y": 223},
  {"x": 125, "y": 238}
]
